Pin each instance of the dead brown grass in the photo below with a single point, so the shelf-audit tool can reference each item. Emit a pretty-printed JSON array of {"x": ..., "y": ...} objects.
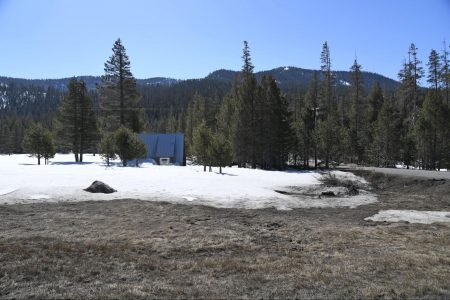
[{"x": 131, "y": 249}]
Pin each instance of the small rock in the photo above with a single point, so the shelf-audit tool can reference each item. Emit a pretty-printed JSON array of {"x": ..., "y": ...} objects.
[
  {"x": 100, "y": 187},
  {"x": 328, "y": 194}
]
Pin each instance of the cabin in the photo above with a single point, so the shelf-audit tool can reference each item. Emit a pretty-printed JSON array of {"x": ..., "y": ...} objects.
[{"x": 165, "y": 148}]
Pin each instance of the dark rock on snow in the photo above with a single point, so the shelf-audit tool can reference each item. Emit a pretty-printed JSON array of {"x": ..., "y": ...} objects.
[
  {"x": 328, "y": 194},
  {"x": 100, "y": 187}
]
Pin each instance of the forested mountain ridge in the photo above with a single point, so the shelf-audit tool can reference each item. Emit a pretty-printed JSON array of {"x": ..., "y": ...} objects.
[
  {"x": 161, "y": 97},
  {"x": 91, "y": 82},
  {"x": 287, "y": 78}
]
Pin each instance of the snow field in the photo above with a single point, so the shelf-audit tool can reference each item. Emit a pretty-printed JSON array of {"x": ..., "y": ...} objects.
[
  {"x": 23, "y": 181},
  {"x": 411, "y": 216}
]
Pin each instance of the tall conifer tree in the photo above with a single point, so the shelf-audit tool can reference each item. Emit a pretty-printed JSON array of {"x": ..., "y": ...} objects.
[
  {"x": 76, "y": 121},
  {"x": 384, "y": 149},
  {"x": 410, "y": 76},
  {"x": 119, "y": 97},
  {"x": 358, "y": 128},
  {"x": 275, "y": 133},
  {"x": 328, "y": 126},
  {"x": 245, "y": 137},
  {"x": 306, "y": 124},
  {"x": 445, "y": 73},
  {"x": 434, "y": 70}
]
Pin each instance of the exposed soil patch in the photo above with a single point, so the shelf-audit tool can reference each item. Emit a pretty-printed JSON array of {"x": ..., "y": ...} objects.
[{"x": 145, "y": 249}]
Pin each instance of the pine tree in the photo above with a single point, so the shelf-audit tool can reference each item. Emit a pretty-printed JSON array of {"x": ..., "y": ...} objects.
[
  {"x": 119, "y": 97},
  {"x": 445, "y": 74},
  {"x": 410, "y": 76},
  {"x": 220, "y": 151},
  {"x": 200, "y": 109},
  {"x": 107, "y": 148},
  {"x": 431, "y": 131},
  {"x": 172, "y": 124},
  {"x": 202, "y": 141},
  {"x": 384, "y": 148},
  {"x": 228, "y": 119},
  {"x": 8, "y": 140},
  {"x": 190, "y": 123},
  {"x": 329, "y": 139},
  {"x": 127, "y": 145},
  {"x": 434, "y": 70},
  {"x": 49, "y": 146},
  {"x": 328, "y": 125},
  {"x": 275, "y": 133},
  {"x": 76, "y": 121},
  {"x": 249, "y": 96},
  {"x": 417, "y": 73},
  {"x": 246, "y": 102},
  {"x": 139, "y": 149},
  {"x": 376, "y": 100},
  {"x": 306, "y": 124},
  {"x": 38, "y": 142},
  {"x": 358, "y": 124},
  {"x": 328, "y": 78}
]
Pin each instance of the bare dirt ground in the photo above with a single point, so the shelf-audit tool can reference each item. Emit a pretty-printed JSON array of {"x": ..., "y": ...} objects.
[{"x": 144, "y": 249}]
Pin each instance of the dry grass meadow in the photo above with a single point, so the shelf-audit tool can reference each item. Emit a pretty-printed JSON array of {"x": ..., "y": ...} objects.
[{"x": 129, "y": 249}]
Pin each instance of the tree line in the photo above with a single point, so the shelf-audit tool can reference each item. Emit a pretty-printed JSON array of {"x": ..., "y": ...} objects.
[
  {"x": 254, "y": 124},
  {"x": 410, "y": 125},
  {"x": 327, "y": 124}
]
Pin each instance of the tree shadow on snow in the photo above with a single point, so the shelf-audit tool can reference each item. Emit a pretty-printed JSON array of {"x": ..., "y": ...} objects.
[
  {"x": 62, "y": 163},
  {"x": 301, "y": 171},
  {"x": 226, "y": 174}
]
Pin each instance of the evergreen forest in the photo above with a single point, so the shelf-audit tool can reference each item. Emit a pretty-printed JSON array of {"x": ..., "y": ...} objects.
[{"x": 272, "y": 119}]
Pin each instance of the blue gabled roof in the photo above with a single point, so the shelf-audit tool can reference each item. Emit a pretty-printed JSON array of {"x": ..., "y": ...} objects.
[{"x": 164, "y": 145}]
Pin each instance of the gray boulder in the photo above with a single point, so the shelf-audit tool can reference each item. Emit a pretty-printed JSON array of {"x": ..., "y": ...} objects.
[{"x": 100, "y": 187}]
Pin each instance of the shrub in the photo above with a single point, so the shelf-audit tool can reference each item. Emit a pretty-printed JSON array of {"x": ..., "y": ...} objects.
[{"x": 128, "y": 146}]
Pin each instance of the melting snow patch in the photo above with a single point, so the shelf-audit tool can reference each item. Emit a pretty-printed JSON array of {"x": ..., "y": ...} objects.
[
  {"x": 63, "y": 180},
  {"x": 39, "y": 196},
  {"x": 349, "y": 177},
  {"x": 6, "y": 191},
  {"x": 412, "y": 216}
]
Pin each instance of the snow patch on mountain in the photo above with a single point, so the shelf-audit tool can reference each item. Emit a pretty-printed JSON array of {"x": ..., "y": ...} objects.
[{"x": 343, "y": 82}]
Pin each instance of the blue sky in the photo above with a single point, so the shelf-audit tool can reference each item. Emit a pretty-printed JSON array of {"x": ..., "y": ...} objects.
[{"x": 191, "y": 38}]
